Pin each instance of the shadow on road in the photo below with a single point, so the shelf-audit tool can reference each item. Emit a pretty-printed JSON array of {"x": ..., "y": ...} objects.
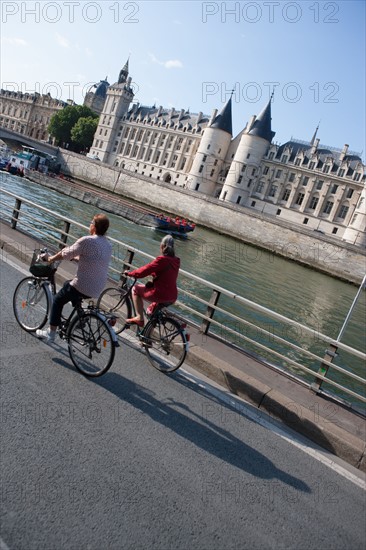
[{"x": 198, "y": 429}]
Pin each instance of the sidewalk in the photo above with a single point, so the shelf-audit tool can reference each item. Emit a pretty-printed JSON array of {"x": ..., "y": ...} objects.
[{"x": 327, "y": 423}]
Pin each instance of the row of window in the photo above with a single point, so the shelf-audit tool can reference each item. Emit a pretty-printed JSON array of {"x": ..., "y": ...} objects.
[
  {"x": 326, "y": 168},
  {"x": 318, "y": 186},
  {"x": 343, "y": 211},
  {"x": 178, "y": 126},
  {"x": 12, "y": 125},
  {"x": 157, "y": 138},
  {"x": 154, "y": 156}
]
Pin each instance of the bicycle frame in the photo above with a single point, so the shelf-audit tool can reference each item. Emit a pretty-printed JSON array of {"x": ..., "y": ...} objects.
[
  {"x": 49, "y": 285},
  {"x": 157, "y": 315}
]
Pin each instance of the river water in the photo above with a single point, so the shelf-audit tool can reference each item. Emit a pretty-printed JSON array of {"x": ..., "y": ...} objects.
[{"x": 300, "y": 293}]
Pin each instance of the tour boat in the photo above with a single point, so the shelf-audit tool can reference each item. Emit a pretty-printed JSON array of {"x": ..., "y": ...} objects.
[{"x": 175, "y": 226}]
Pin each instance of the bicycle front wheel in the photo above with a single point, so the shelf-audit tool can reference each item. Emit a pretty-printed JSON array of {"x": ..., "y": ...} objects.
[
  {"x": 165, "y": 344},
  {"x": 31, "y": 304},
  {"x": 91, "y": 345},
  {"x": 114, "y": 301}
]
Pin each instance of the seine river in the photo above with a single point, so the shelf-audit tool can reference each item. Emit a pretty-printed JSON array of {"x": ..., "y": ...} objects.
[{"x": 312, "y": 298}]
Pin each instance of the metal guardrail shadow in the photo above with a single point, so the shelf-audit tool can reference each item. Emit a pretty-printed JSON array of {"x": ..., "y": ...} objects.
[{"x": 287, "y": 345}]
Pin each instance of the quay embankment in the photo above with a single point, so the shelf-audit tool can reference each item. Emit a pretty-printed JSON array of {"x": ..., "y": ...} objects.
[
  {"x": 326, "y": 423},
  {"x": 335, "y": 258}
]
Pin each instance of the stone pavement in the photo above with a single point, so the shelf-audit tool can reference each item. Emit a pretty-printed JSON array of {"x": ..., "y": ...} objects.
[{"x": 329, "y": 424}]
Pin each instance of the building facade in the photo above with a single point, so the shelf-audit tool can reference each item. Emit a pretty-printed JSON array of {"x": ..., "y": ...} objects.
[
  {"x": 304, "y": 183},
  {"x": 28, "y": 114}
]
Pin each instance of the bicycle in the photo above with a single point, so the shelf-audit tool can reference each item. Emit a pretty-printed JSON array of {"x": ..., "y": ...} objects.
[
  {"x": 90, "y": 337},
  {"x": 164, "y": 338}
]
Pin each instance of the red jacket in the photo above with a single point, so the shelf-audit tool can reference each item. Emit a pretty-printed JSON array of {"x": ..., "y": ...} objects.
[{"x": 164, "y": 270}]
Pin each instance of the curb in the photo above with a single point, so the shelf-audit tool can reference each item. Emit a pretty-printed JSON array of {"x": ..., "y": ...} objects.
[{"x": 318, "y": 429}]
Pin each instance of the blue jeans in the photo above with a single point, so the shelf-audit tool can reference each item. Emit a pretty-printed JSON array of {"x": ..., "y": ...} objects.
[{"x": 67, "y": 294}]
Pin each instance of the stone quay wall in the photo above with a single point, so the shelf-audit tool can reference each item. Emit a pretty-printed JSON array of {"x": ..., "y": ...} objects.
[{"x": 317, "y": 251}]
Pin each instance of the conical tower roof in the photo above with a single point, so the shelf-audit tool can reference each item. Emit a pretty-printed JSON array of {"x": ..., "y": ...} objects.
[
  {"x": 262, "y": 124},
  {"x": 223, "y": 121},
  {"x": 123, "y": 73}
]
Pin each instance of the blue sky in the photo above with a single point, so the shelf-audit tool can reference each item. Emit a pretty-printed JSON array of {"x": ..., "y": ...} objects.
[{"x": 192, "y": 54}]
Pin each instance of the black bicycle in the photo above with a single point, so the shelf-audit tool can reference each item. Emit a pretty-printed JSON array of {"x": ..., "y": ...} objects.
[
  {"x": 89, "y": 334},
  {"x": 164, "y": 337}
]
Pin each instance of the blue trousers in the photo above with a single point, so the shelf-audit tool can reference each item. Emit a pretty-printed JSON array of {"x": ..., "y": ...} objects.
[{"x": 67, "y": 294}]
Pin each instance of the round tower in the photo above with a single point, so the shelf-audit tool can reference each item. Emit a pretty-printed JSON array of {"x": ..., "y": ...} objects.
[
  {"x": 211, "y": 152},
  {"x": 95, "y": 100},
  {"x": 253, "y": 146}
]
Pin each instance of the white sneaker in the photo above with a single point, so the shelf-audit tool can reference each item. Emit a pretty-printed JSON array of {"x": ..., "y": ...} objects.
[{"x": 48, "y": 335}]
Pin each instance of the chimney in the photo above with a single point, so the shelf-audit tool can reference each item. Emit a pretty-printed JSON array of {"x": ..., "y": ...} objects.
[
  {"x": 315, "y": 146},
  {"x": 344, "y": 152}
]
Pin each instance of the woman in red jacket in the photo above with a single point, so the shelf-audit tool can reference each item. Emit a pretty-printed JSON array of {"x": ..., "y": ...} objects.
[{"x": 163, "y": 289}]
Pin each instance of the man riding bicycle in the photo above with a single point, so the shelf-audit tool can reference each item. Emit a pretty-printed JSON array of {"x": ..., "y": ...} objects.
[{"x": 93, "y": 254}]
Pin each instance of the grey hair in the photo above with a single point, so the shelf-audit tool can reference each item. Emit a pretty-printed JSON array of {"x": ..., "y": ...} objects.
[{"x": 167, "y": 244}]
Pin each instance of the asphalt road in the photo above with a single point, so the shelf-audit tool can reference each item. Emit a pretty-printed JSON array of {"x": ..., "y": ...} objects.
[{"x": 141, "y": 460}]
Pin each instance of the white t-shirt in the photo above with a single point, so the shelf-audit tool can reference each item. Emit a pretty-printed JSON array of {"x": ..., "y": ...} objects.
[{"x": 93, "y": 253}]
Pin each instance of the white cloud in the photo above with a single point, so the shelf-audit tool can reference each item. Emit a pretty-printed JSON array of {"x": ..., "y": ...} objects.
[
  {"x": 170, "y": 64},
  {"x": 14, "y": 41},
  {"x": 62, "y": 41},
  {"x": 173, "y": 64}
]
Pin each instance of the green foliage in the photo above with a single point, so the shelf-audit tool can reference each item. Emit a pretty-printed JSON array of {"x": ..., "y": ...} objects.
[
  {"x": 62, "y": 123},
  {"x": 82, "y": 133}
]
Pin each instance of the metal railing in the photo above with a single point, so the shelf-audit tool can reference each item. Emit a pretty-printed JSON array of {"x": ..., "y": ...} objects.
[{"x": 291, "y": 347}]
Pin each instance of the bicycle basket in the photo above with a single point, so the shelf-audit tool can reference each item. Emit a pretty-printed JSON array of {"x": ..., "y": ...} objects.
[{"x": 40, "y": 268}]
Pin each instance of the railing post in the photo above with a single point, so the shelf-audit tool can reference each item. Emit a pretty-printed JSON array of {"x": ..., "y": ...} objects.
[
  {"x": 210, "y": 311},
  {"x": 64, "y": 234},
  {"x": 16, "y": 212},
  {"x": 330, "y": 354},
  {"x": 127, "y": 263}
]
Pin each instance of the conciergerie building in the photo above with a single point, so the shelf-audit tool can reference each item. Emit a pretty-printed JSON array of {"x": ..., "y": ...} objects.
[{"x": 304, "y": 183}]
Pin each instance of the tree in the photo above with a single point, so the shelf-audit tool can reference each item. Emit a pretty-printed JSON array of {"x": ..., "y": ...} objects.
[
  {"x": 63, "y": 121},
  {"x": 82, "y": 133}
]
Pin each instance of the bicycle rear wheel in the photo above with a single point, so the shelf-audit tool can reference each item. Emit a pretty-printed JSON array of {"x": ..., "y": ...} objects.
[
  {"x": 91, "y": 345},
  {"x": 165, "y": 344},
  {"x": 115, "y": 301},
  {"x": 31, "y": 304}
]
